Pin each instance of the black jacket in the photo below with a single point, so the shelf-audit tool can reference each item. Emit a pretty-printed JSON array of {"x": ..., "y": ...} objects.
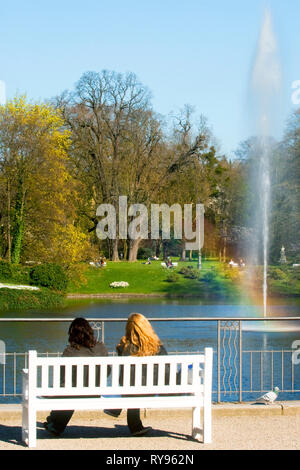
[{"x": 98, "y": 350}]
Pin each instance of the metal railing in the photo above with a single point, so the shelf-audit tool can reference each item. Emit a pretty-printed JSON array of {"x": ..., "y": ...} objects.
[{"x": 239, "y": 374}]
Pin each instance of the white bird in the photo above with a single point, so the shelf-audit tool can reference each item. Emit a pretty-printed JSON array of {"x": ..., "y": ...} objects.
[{"x": 268, "y": 397}]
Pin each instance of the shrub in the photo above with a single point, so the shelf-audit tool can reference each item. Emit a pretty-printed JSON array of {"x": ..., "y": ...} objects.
[
  {"x": 277, "y": 274},
  {"x": 49, "y": 275},
  {"x": 13, "y": 272},
  {"x": 12, "y": 299},
  {"x": 230, "y": 273},
  {"x": 189, "y": 272},
  {"x": 5, "y": 270},
  {"x": 209, "y": 276},
  {"x": 295, "y": 274},
  {"x": 172, "y": 277},
  {"x": 76, "y": 274},
  {"x": 185, "y": 269}
]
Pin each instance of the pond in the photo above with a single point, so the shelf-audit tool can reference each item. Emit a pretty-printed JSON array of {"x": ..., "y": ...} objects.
[{"x": 177, "y": 336}]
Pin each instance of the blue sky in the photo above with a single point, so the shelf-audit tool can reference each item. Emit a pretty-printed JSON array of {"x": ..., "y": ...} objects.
[{"x": 197, "y": 52}]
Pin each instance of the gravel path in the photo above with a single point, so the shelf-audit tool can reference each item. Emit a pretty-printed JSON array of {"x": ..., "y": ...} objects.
[{"x": 170, "y": 431}]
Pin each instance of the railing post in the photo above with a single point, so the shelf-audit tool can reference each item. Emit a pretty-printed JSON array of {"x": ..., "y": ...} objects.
[
  {"x": 4, "y": 370},
  {"x": 219, "y": 361},
  {"x": 15, "y": 373},
  {"x": 241, "y": 363}
]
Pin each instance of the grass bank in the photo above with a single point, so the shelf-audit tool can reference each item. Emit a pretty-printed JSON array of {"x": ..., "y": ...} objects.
[
  {"x": 215, "y": 281},
  {"x": 14, "y": 299},
  {"x": 153, "y": 280}
]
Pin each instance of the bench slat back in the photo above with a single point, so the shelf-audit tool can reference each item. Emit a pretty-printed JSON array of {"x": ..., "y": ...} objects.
[{"x": 127, "y": 375}]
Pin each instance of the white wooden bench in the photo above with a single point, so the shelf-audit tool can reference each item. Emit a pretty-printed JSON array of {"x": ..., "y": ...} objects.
[
  {"x": 71, "y": 383},
  {"x": 175, "y": 264}
]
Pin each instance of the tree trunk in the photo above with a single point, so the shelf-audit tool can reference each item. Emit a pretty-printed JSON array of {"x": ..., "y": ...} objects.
[
  {"x": 125, "y": 249},
  {"x": 133, "y": 249},
  {"x": 165, "y": 250},
  {"x": 183, "y": 254},
  {"x": 225, "y": 245},
  {"x": 8, "y": 222},
  {"x": 224, "y": 251},
  {"x": 157, "y": 247},
  {"x": 19, "y": 227},
  {"x": 109, "y": 249},
  {"x": 115, "y": 252}
]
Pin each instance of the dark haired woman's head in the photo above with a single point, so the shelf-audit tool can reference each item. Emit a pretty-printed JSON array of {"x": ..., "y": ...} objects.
[{"x": 81, "y": 334}]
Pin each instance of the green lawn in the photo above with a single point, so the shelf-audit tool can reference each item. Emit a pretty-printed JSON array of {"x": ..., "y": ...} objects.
[
  {"x": 214, "y": 281},
  {"x": 152, "y": 279}
]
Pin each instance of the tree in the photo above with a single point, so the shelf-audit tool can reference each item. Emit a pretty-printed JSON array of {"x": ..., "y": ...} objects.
[
  {"x": 120, "y": 147},
  {"x": 101, "y": 114},
  {"x": 197, "y": 173},
  {"x": 37, "y": 188},
  {"x": 285, "y": 219}
]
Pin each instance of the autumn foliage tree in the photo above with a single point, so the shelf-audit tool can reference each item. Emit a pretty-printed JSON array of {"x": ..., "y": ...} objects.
[{"x": 37, "y": 189}]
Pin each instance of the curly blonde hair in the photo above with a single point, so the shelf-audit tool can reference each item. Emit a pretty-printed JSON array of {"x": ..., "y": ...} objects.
[{"x": 140, "y": 334}]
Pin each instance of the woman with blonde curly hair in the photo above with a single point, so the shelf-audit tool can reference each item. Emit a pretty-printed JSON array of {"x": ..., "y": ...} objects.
[{"x": 139, "y": 340}]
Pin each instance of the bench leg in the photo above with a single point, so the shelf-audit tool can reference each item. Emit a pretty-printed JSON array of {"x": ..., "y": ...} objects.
[
  {"x": 196, "y": 423},
  {"x": 207, "y": 424},
  {"x": 25, "y": 423},
  {"x": 29, "y": 426}
]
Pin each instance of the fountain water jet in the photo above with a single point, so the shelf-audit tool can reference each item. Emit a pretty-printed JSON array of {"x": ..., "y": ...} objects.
[{"x": 266, "y": 81}]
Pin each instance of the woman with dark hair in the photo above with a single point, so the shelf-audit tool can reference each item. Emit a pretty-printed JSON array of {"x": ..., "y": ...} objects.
[
  {"x": 139, "y": 340},
  {"x": 81, "y": 335},
  {"x": 81, "y": 343}
]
